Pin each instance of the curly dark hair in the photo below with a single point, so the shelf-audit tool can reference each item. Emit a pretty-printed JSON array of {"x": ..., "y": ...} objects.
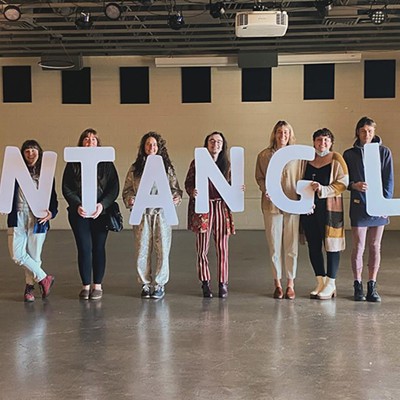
[
  {"x": 324, "y": 132},
  {"x": 138, "y": 165},
  {"x": 33, "y": 144},
  {"x": 222, "y": 162}
]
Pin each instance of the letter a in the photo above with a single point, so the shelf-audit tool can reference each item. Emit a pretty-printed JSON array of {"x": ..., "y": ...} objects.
[{"x": 154, "y": 175}]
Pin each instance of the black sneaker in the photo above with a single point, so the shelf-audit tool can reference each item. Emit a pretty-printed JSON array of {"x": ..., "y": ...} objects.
[
  {"x": 158, "y": 293},
  {"x": 146, "y": 292}
]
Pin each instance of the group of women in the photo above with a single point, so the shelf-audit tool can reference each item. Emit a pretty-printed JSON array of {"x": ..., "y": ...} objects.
[{"x": 330, "y": 175}]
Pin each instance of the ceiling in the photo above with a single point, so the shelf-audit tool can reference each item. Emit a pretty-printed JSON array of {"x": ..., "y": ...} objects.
[{"x": 48, "y": 28}]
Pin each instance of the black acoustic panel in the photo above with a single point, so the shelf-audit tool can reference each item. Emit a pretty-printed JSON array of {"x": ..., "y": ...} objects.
[
  {"x": 17, "y": 84},
  {"x": 257, "y": 59},
  {"x": 380, "y": 79},
  {"x": 319, "y": 82},
  {"x": 76, "y": 87},
  {"x": 196, "y": 84},
  {"x": 256, "y": 84},
  {"x": 134, "y": 85}
]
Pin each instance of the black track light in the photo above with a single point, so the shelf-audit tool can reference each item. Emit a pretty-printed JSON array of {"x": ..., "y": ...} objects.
[{"x": 175, "y": 21}]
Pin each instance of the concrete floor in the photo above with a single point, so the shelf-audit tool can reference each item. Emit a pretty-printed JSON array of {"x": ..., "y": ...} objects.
[{"x": 248, "y": 346}]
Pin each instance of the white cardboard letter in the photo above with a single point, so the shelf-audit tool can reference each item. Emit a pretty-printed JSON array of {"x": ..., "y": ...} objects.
[
  {"x": 303, "y": 188},
  {"x": 377, "y": 204},
  {"x": 206, "y": 169},
  {"x": 15, "y": 169},
  {"x": 89, "y": 157},
  {"x": 154, "y": 175}
]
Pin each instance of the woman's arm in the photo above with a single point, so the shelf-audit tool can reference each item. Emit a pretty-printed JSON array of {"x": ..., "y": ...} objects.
[
  {"x": 129, "y": 191},
  {"x": 339, "y": 177}
]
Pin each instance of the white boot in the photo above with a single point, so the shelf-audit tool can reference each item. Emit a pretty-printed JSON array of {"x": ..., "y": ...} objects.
[
  {"x": 329, "y": 290},
  {"x": 318, "y": 288}
]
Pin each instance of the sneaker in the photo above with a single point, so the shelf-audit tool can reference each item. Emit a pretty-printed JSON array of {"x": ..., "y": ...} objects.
[
  {"x": 28, "y": 294},
  {"x": 45, "y": 284},
  {"x": 146, "y": 292},
  {"x": 96, "y": 294},
  {"x": 84, "y": 294},
  {"x": 158, "y": 293}
]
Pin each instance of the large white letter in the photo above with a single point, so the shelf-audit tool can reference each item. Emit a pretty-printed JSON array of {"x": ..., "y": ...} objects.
[
  {"x": 14, "y": 168},
  {"x": 274, "y": 176},
  {"x": 154, "y": 175},
  {"x": 89, "y": 157},
  {"x": 206, "y": 169},
  {"x": 377, "y": 204}
]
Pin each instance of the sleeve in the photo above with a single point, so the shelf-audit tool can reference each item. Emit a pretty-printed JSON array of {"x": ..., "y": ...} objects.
[
  {"x": 190, "y": 180},
  {"x": 53, "y": 206},
  {"x": 129, "y": 190},
  {"x": 260, "y": 173},
  {"x": 339, "y": 178},
  {"x": 387, "y": 174},
  {"x": 70, "y": 187},
  {"x": 174, "y": 185},
  {"x": 111, "y": 189}
]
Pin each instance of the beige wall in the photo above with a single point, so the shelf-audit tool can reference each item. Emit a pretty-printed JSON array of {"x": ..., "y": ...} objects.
[{"x": 184, "y": 126}]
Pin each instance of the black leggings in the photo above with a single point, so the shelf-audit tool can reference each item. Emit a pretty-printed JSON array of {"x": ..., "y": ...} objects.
[
  {"x": 90, "y": 237},
  {"x": 314, "y": 230}
]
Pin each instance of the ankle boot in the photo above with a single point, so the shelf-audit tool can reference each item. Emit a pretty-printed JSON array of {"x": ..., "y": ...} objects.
[
  {"x": 372, "y": 294},
  {"x": 318, "y": 288},
  {"x": 329, "y": 290},
  {"x": 206, "y": 289},
  {"x": 358, "y": 291}
]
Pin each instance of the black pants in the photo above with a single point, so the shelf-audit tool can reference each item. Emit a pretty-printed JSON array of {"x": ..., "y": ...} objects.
[
  {"x": 90, "y": 237},
  {"x": 314, "y": 230}
]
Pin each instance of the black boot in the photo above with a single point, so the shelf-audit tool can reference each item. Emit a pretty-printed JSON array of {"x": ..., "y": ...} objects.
[
  {"x": 206, "y": 289},
  {"x": 372, "y": 294},
  {"x": 358, "y": 291},
  {"x": 223, "y": 290}
]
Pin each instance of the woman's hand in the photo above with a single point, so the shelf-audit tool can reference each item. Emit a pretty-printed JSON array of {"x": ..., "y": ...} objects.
[
  {"x": 99, "y": 209},
  {"x": 195, "y": 192},
  {"x": 312, "y": 210},
  {"x": 267, "y": 196},
  {"x": 46, "y": 218},
  {"x": 81, "y": 212},
  {"x": 131, "y": 202},
  {"x": 176, "y": 200},
  {"x": 360, "y": 186},
  {"x": 316, "y": 186}
]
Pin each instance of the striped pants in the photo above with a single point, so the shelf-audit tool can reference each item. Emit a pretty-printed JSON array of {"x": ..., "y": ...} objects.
[{"x": 218, "y": 226}]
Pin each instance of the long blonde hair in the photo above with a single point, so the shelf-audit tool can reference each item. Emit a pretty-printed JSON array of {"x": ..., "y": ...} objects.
[{"x": 280, "y": 124}]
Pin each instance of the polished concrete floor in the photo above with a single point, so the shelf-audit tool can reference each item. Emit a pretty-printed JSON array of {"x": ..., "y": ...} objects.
[{"x": 248, "y": 346}]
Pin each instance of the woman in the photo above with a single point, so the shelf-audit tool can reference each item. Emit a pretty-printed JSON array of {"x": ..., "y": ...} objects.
[
  {"x": 329, "y": 179},
  {"x": 90, "y": 230},
  {"x": 26, "y": 234},
  {"x": 281, "y": 228},
  {"x": 362, "y": 224},
  {"x": 217, "y": 221},
  {"x": 153, "y": 233}
]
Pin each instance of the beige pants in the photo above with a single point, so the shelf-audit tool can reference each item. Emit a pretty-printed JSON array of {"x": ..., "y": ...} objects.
[
  {"x": 282, "y": 233},
  {"x": 152, "y": 235}
]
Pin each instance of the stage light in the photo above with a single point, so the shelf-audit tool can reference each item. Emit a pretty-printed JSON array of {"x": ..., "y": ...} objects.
[
  {"x": 175, "y": 21},
  {"x": 112, "y": 11},
  {"x": 12, "y": 13},
  {"x": 84, "y": 21},
  {"x": 378, "y": 16},
  {"x": 217, "y": 10}
]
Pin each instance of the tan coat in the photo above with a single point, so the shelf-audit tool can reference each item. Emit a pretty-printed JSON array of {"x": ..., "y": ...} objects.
[{"x": 290, "y": 175}]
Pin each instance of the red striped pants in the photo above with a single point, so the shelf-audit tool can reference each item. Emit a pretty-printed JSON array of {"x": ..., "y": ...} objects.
[{"x": 218, "y": 226}]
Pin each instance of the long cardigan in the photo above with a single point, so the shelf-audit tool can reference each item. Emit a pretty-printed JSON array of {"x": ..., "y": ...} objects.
[{"x": 334, "y": 223}]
